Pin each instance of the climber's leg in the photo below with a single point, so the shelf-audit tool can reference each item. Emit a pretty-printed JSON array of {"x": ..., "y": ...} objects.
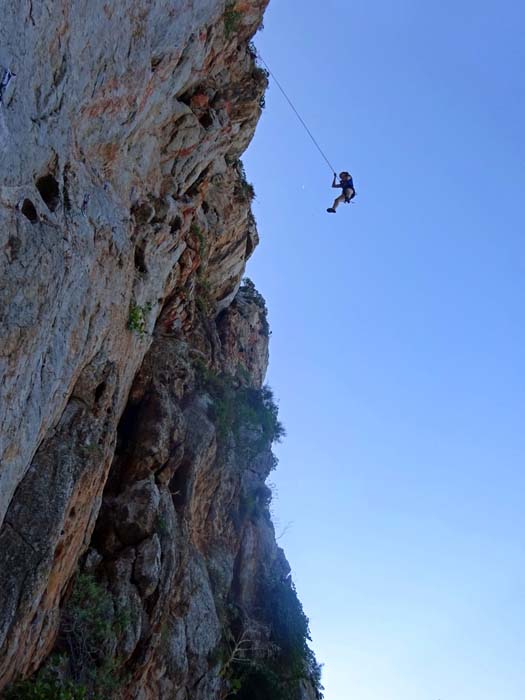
[{"x": 339, "y": 200}]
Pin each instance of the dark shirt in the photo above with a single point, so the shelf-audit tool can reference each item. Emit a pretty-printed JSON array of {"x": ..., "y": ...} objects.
[{"x": 347, "y": 184}]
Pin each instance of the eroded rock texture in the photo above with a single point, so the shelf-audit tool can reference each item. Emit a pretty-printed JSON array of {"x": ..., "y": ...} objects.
[{"x": 135, "y": 434}]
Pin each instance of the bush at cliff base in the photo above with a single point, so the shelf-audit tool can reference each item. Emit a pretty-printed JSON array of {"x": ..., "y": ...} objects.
[{"x": 281, "y": 676}]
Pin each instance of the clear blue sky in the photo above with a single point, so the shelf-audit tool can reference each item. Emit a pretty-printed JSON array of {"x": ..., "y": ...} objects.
[{"x": 398, "y": 338}]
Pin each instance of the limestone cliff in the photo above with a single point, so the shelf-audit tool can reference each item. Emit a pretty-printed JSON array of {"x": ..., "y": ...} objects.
[{"x": 138, "y": 555}]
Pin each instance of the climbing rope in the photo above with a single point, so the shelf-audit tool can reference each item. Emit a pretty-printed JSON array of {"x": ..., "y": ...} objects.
[{"x": 295, "y": 110}]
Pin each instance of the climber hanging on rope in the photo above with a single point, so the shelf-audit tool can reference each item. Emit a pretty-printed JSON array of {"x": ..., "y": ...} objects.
[
  {"x": 345, "y": 179},
  {"x": 347, "y": 185}
]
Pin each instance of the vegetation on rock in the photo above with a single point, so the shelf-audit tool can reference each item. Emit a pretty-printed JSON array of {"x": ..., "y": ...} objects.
[
  {"x": 251, "y": 293},
  {"x": 277, "y": 669},
  {"x": 83, "y": 667},
  {"x": 243, "y": 189},
  {"x": 232, "y": 20},
  {"x": 138, "y": 317},
  {"x": 236, "y": 406},
  {"x": 45, "y": 687}
]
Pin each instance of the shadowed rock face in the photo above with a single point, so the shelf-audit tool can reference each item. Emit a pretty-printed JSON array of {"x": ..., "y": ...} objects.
[{"x": 125, "y": 226}]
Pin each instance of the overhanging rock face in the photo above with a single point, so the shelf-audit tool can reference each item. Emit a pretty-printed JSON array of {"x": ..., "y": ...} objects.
[{"x": 135, "y": 434}]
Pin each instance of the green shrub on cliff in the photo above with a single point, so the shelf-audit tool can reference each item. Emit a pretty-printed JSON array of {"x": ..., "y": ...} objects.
[
  {"x": 237, "y": 406},
  {"x": 47, "y": 684},
  {"x": 243, "y": 189},
  {"x": 137, "y": 318},
  {"x": 197, "y": 233},
  {"x": 232, "y": 20},
  {"x": 289, "y": 662},
  {"x": 84, "y": 668},
  {"x": 44, "y": 689},
  {"x": 251, "y": 293},
  {"x": 87, "y": 625},
  {"x": 295, "y": 661},
  {"x": 89, "y": 628}
]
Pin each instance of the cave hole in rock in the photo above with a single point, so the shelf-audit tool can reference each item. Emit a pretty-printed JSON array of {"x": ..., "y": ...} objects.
[
  {"x": 142, "y": 212},
  {"x": 179, "y": 484},
  {"x": 29, "y": 211},
  {"x": 175, "y": 225},
  {"x": 221, "y": 317},
  {"x": 49, "y": 191},
  {"x": 193, "y": 190},
  {"x": 127, "y": 428},
  {"x": 206, "y": 120},
  {"x": 155, "y": 62},
  {"x": 99, "y": 391},
  {"x": 161, "y": 211},
  {"x": 126, "y": 443},
  {"x": 140, "y": 259},
  {"x": 185, "y": 98}
]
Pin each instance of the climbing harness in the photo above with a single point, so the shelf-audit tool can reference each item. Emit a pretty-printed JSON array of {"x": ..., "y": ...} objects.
[
  {"x": 258, "y": 55},
  {"x": 351, "y": 186}
]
